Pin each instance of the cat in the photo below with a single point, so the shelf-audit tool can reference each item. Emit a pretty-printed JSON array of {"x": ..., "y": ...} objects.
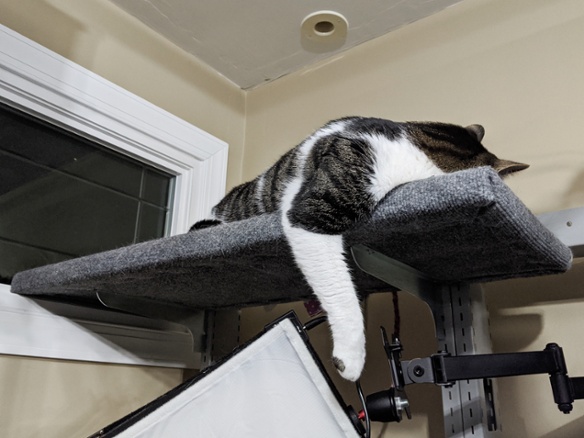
[{"x": 335, "y": 178}]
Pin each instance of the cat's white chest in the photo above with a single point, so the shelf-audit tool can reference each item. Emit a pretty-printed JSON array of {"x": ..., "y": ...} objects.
[{"x": 397, "y": 162}]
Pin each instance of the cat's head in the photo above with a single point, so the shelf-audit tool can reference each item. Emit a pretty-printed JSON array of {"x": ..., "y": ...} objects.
[
  {"x": 453, "y": 147},
  {"x": 503, "y": 167}
]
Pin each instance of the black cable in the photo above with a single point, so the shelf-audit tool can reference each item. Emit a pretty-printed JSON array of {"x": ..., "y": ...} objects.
[
  {"x": 314, "y": 322},
  {"x": 396, "y": 316},
  {"x": 362, "y": 399}
]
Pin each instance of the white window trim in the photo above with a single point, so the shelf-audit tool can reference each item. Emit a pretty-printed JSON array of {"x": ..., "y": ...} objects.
[{"x": 43, "y": 83}]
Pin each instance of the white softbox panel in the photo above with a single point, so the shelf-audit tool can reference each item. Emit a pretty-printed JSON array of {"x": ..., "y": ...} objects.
[{"x": 273, "y": 387}]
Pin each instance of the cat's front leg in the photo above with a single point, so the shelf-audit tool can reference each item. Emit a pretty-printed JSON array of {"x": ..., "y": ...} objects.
[{"x": 321, "y": 259}]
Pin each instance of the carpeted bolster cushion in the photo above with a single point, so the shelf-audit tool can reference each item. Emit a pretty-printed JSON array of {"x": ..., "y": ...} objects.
[{"x": 466, "y": 226}]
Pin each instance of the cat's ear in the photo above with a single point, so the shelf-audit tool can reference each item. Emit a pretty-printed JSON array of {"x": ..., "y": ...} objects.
[
  {"x": 506, "y": 167},
  {"x": 476, "y": 131}
]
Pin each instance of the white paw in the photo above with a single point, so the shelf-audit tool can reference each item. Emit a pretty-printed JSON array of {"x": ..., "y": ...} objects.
[{"x": 350, "y": 361}]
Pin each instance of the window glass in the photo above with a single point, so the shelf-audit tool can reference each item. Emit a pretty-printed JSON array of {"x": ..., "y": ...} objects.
[
  {"x": 63, "y": 196},
  {"x": 155, "y": 188}
]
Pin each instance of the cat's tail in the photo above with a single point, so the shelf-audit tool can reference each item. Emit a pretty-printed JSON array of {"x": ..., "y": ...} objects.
[{"x": 205, "y": 223}]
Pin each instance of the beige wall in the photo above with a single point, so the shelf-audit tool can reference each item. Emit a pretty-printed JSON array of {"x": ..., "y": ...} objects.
[
  {"x": 47, "y": 398},
  {"x": 63, "y": 399},
  {"x": 517, "y": 67},
  {"x": 514, "y": 66}
]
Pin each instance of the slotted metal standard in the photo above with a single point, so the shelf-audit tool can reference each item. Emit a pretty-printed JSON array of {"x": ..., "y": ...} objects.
[
  {"x": 468, "y": 405},
  {"x": 461, "y": 322}
]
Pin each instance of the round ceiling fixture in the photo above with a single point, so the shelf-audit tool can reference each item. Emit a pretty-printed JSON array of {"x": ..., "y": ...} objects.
[{"x": 325, "y": 26}]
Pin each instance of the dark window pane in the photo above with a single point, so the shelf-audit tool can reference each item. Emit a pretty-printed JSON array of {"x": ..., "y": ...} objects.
[
  {"x": 62, "y": 196},
  {"x": 35, "y": 140},
  {"x": 69, "y": 216},
  {"x": 54, "y": 148},
  {"x": 15, "y": 173},
  {"x": 16, "y": 257},
  {"x": 111, "y": 172},
  {"x": 156, "y": 188},
  {"x": 152, "y": 222}
]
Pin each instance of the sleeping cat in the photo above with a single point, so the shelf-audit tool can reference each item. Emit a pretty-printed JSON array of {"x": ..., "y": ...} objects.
[{"x": 335, "y": 178}]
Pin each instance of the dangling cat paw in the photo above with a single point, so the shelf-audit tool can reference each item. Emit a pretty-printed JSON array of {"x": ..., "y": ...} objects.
[{"x": 349, "y": 362}]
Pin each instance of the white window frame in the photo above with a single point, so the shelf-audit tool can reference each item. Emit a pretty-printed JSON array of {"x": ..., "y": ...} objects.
[{"x": 43, "y": 83}]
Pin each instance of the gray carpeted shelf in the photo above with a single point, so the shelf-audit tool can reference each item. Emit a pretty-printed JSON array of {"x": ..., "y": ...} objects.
[{"x": 467, "y": 226}]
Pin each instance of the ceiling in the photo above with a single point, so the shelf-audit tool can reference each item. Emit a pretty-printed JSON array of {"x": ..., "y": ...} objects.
[{"x": 252, "y": 42}]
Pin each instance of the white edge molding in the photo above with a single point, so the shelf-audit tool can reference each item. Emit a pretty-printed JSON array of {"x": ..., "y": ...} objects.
[{"x": 49, "y": 86}]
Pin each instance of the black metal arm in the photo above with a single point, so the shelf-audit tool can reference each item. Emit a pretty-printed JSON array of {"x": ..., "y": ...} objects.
[{"x": 445, "y": 369}]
